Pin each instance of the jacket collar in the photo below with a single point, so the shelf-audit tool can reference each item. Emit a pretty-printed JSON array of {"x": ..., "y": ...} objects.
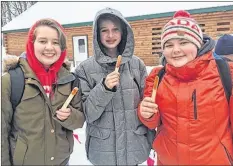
[{"x": 191, "y": 70}]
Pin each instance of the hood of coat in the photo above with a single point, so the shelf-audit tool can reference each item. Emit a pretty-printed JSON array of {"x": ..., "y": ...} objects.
[
  {"x": 12, "y": 61},
  {"x": 9, "y": 62},
  {"x": 126, "y": 46}
]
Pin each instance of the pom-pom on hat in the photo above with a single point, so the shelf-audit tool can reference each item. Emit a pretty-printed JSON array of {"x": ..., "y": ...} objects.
[{"x": 182, "y": 26}]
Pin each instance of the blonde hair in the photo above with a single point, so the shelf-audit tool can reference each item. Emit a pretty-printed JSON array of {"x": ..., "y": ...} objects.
[{"x": 52, "y": 24}]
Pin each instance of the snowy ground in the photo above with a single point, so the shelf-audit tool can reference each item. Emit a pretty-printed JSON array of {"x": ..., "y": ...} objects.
[{"x": 78, "y": 156}]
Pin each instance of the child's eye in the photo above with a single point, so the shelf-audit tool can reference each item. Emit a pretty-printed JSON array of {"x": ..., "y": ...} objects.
[
  {"x": 183, "y": 43},
  {"x": 42, "y": 41},
  {"x": 56, "y": 43},
  {"x": 168, "y": 45},
  {"x": 104, "y": 30}
]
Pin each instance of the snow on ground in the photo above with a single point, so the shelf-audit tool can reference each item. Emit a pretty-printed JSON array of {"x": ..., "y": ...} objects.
[{"x": 78, "y": 156}]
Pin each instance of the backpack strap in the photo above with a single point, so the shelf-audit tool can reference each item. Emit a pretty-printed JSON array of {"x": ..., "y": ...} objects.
[
  {"x": 17, "y": 86},
  {"x": 225, "y": 75},
  {"x": 161, "y": 74}
]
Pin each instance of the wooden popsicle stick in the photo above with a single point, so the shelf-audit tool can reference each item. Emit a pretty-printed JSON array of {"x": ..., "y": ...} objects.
[
  {"x": 68, "y": 100},
  {"x": 155, "y": 87},
  {"x": 118, "y": 63}
]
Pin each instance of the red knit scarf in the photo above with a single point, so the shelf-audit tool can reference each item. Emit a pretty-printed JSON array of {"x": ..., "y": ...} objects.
[{"x": 46, "y": 77}]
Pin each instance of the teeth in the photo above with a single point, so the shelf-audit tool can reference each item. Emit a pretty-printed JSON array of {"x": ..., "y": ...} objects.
[{"x": 48, "y": 54}]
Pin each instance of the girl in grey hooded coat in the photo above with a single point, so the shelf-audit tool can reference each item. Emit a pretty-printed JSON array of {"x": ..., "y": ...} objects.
[{"x": 114, "y": 134}]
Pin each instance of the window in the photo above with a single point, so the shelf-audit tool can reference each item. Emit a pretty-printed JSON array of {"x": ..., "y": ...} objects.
[
  {"x": 202, "y": 26},
  {"x": 156, "y": 41},
  {"x": 81, "y": 45},
  {"x": 223, "y": 27}
]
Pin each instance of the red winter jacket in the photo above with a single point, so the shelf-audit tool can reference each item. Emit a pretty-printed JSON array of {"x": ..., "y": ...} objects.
[{"x": 195, "y": 115}]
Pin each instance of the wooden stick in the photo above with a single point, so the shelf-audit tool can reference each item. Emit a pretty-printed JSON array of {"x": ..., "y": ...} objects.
[
  {"x": 68, "y": 100},
  {"x": 155, "y": 87},
  {"x": 118, "y": 63}
]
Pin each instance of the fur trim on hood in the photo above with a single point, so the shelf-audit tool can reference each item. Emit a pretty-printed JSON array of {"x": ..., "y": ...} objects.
[{"x": 10, "y": 62}]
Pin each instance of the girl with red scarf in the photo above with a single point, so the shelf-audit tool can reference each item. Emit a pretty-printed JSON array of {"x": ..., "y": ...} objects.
[{"x": 38, "y": 131}]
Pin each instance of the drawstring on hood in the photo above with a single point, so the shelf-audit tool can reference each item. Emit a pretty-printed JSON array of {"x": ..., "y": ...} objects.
[{"x": 46, "y": 77}]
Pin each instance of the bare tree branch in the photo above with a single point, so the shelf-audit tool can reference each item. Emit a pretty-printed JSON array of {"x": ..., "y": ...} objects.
[
  {"x": 8, "y": 11},
  {"x": 24, "y": 5},
  {"x": 32, "y": 2},
  {"x": 3, "y": 13},
  {"x": 20, "y": 7},
  {"x": 11, "y": 9},
  {"x": 15, "y": 8}
]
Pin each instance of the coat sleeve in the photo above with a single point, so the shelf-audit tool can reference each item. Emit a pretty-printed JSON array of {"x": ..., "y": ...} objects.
[
  {"x": 143, "y": 75},
  {"x": 76, "y": 118},
  {"x": 154, "y": 121},
  {"x": 231, "y": 111},
  {"x": 231, "y": 98},
  {"x": 95, "y": 98},
  {"x": 6, "y": 117}
]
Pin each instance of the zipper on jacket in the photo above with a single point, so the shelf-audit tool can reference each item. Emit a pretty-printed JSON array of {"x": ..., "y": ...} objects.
[{"x": 194, "y": 100}]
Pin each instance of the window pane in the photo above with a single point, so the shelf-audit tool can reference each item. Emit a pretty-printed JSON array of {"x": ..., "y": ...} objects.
[{"x": 81, "y": 45}]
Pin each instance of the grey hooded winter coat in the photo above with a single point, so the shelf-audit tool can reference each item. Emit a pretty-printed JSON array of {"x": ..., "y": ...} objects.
[{"x": 115, "y": 136}]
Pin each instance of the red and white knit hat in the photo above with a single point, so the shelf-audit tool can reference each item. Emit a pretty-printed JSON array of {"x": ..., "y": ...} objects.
[{"x": 182, "y": 26}]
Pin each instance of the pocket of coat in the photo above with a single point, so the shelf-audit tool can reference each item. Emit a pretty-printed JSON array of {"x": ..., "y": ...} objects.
[
  {"x": 141, "y": 130},
  {"x": 100, "y": 133},
  {"x": 141, "y": 142},
  {"x": 228, "y": 154},
  {"x": 64, "y": 89},
  {"x": 20, "y": 151},
  {"x": 29, "y": 93}
]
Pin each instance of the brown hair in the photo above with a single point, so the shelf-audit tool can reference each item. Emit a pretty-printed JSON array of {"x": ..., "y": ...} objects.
[
  {"x": 52, "y": 24},
  {"x": 112, "y": 18}
]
